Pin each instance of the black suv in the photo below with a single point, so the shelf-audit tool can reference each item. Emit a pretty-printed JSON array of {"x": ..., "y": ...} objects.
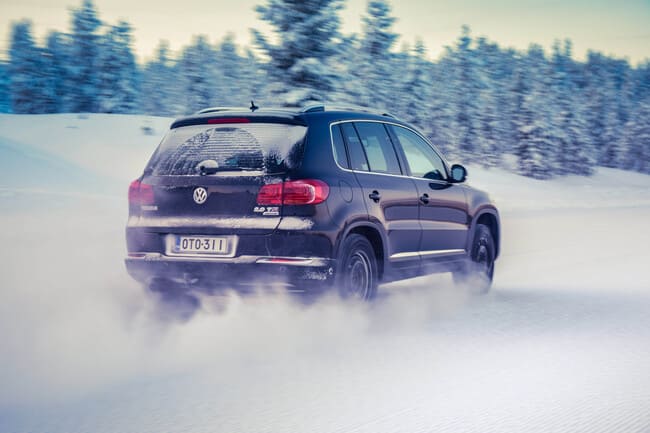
[{"x": 315, "y": 197}]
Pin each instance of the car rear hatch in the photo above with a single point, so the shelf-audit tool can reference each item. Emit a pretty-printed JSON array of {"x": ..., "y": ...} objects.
[{"x": 207, "y": 173}]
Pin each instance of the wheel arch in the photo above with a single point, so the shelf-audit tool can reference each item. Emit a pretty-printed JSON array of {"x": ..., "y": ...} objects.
[
  {"x": 490, "y": 218},
  {"x": 374, "y": 235}
]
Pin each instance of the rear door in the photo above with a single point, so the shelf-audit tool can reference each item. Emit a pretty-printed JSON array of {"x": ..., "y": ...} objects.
[
  {"x": 442, "y": 205},
  {"x": 390, "y": 197},
  {"x": 206, "y": 178}
]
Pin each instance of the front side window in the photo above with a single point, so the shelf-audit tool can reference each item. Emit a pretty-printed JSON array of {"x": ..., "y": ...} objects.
[{"x": 422, "y": 159}]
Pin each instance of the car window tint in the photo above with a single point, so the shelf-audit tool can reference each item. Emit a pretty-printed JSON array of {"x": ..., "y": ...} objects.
[
  {"x": 379, "y": 149},
  {"x": 339, "y": 147},
  {"x": 422, "y": 159},
  {"x": 251, "y": 146},
  {"x": 358, "y": 159}
]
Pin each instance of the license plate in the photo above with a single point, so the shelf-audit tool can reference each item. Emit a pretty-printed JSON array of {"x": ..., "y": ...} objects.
[{"x": 201, "y": 245}]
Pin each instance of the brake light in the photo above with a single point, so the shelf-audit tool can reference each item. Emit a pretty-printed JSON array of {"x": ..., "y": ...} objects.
[
  {"x": 295, "y": 192},
  {"x": 270, "y": 194},
  {"x": 220, "y": 120},
  {"x": 140, "y": 193}
]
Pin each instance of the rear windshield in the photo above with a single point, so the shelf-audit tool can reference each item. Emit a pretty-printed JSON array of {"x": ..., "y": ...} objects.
[{"x": 266, "y": 147}]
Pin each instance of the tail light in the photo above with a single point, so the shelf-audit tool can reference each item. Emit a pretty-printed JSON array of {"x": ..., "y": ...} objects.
[
  {"x": 140, "y": 193},
  {"x": 295, "y": 192}
]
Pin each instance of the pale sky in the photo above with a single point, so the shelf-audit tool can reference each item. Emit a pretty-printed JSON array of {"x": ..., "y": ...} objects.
[{"x": 620, "y": 28}]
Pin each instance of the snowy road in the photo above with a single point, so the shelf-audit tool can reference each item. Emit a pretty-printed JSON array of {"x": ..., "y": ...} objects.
[{"x": 561, "y": 345}]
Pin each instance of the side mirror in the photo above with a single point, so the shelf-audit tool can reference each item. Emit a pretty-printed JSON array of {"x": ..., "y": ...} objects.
[{"x": 458, "y": 173}]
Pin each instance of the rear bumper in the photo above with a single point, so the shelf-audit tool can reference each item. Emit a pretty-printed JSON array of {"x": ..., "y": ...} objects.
[{"x": 229, "y": 272}]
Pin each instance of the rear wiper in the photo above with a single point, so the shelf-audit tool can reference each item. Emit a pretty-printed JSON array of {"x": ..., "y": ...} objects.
[{"x": 210, "y": 166}]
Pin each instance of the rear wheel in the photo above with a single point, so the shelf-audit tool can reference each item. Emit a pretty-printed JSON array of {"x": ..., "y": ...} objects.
[
  {"x": 478, "y": 272},
  {"x": 357, "y": 276}
]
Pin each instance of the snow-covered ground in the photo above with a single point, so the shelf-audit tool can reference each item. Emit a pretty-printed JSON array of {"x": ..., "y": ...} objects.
[{"x": 561, "y": 344}]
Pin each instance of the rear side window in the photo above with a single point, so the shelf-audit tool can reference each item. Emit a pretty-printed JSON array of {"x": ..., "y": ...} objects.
[
  {"x": 339, "y": 147},
  {"x": 358, "y": 159},
  {"x": 378, "y": 147},
  {"x": 267, "y": 147}
]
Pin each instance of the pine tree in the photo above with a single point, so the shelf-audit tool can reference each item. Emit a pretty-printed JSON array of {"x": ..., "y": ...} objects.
[
  {"x": 5, "y": 101},
  {"x": 254, "y": 78},
  {"x": 84, "y": 58},
  {"x": 607, "y": 93},
  {"x": 416, "y": 93},
  {"x": 534, "y": 140},
  {"x": 299, "y": 65},
  {"x": 349, "y": 90},
  {"x": 504, "y": 76},
  {"x": 488, "y": 104},
  {"x": 442, "y": 116},
  {"x": 641, "y": 82},
  {"x": 25, "y": 70},
  {"x": 117, "y": 72},
  {"x": 376, "y": 72},
  {"x": 197, "y": 72},
  {"x": 159, "y": 89},
  {"x": 573, "y": 154},
  {"x": 229, "y": 65},
  {"x": 394, "y": 98},
  {"x": 465, "y": 84},
  {"x": 55, "y": 73},
  {"x": 637, "y": 139}
]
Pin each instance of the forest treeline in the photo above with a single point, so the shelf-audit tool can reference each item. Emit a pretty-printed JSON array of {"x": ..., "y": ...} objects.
[{"x": 542, "y": 114}]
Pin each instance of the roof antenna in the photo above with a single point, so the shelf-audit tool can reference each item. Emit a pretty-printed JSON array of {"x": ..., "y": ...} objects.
[{"x": 253, "y": 107}]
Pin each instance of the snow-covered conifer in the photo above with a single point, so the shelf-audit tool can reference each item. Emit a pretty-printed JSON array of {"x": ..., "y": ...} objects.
[
  {"x": 636, "y": 138},
  {"x": 534, "y": 139},
  {"x": 465, "y": 82},
  {"x": 84, "y": 58},
  {"x": 376, "y": 68},
  {"x": 159, "y": 88},
  {"x": 117, "y": 72},
  {"x": 5, "y": 101},
  {"x": 197, "y": 73},
  {"x": 25, "y": 70},
  {"x": 573, "y": 154},
  {"x": 55, "y": 70},
  {"x": 415, "y": 96},
  {"x": 299, "y": 64}
]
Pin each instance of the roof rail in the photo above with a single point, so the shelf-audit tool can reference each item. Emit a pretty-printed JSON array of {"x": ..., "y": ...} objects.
[
  {"x": 218, "y": 109},
  {"x": 313, "y": 108}
]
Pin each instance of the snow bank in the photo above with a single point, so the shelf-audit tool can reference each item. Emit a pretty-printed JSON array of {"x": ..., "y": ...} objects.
[
  {"x": 607, "y": 188},
  {"x": 112, "y": 146}
]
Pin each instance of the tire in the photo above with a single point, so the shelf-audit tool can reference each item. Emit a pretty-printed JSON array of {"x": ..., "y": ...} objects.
[
  {"x": 357, "y": 275},
  {"x": 478, "y": 272}
]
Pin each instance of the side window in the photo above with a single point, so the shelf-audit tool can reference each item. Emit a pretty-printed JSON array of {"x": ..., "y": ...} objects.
[
  {"x": 339, "y": 147},
  {"x": 422, "y": 159},
  {"x": 358, "y": 159},
  {"x": 378, "y": 147}
]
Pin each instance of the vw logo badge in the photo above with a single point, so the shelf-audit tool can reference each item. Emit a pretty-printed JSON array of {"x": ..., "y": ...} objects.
[{"x": 200, "y": 195}]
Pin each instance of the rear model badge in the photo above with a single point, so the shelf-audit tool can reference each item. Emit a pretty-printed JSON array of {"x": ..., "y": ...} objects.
[
  {"x": 267, "y": 211},
  {"x": 200, "y": 195}
]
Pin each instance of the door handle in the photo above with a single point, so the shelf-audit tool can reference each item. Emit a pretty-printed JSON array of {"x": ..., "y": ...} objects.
[
  {"x": 375, "y": 196},
  {"x": 424, "y": 198}
]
